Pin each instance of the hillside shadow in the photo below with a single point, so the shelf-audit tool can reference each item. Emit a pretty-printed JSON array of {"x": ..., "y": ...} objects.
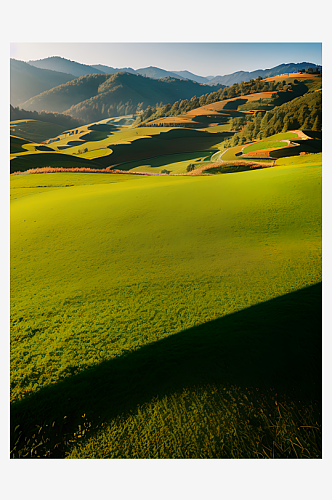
[
  {"x": 304, "y": 146},
  {"x": 179, "y": 140},
  {"x": 235, "y": 104},
  {"x": 275, "y": 344}
]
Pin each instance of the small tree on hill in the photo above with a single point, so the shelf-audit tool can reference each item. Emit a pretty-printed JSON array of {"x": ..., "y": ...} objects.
[{"x": 190, "y": 167}]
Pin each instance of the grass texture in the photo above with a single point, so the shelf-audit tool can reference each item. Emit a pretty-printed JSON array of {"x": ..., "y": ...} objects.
[
  {"x": 34, "y": 130},
  {"x": 264, "y": 145},
  {"x": 175, "y": 164},
  {"x": 166, "y": 317}
]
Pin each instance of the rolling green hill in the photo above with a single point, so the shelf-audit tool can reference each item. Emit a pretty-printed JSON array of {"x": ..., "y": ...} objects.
[
  {"x": 56, "y": 118},
  {"x": 35, "y": 130},
  {"x": 158, "y": 308},
  {"x": 167, "y": 317},
  {"x": 112, "y": 147}
]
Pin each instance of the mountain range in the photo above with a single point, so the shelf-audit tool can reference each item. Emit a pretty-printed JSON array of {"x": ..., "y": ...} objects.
[
  {"x": 86, "y": 92},
  {"x": 244, "y": 76},
  {"x": 61, "y": 64},
  {"x": 27, "y": 81}
]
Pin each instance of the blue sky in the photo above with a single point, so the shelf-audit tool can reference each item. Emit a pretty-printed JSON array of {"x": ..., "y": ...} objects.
[{"x": 199, "y": 58}]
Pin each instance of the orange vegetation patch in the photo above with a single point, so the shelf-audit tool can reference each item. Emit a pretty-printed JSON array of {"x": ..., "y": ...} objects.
[
  {"x": 50, "y": 170},
  {"x": 300, "y": 134},
  {"x": 215, "y": 109},
  {"x": 290, "y": 75},
  {"x": 46, "y": 170},
  {"x": 220, "y": 105}
]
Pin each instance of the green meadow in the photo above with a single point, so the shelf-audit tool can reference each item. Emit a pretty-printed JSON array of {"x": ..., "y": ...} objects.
[
  {"x": 264, "y": 145},
  {"x": 173, "y": 163},
  {"x": 167, "y": 317},
  {"x": 95, "y": 147},
  {"x": 34, "y": 130}
]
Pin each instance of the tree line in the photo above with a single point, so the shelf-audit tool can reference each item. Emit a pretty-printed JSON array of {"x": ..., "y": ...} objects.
[
  {"x": 302, "y": 113},
  {"x": 236, "y": 90},
  {"x": 44, "y": 116}
]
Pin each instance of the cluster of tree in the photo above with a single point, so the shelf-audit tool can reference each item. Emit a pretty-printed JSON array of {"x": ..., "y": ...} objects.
[
  {"x": 311, "y": 71},
  {"x": 80, "y": 151},
  {"x": 57, "y": 118},
  {"x": 190, "y": 167},
  {"x": 302, "y": 113},
  {"x": 236, "y": 90},
  {"x": 95, "y": 110}
]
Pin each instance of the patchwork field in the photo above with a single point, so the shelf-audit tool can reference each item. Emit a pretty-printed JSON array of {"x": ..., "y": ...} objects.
[
  {"x": 103, "y": 149},
  {"x": 167, "y": 317},
  {"x": 173, "y": 164},
  {"x": 34, "y": 130},
  {"x": 264, "y": 145},
  {"x": 215, "y": 113}
]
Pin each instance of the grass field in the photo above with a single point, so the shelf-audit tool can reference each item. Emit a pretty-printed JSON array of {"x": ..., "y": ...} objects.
[
  {"x": 112, "y": 148},
  {"x": 167, "y": 317},
  {"x": 264, "y": 145},
  {"x": 283, "y": 136},
  {"x": 34, "y": 130},
  {"x": 175, "y": 164}
]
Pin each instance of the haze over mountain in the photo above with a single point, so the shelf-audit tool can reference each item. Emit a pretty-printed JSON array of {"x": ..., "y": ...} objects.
[
  {"x": 98, "y": 96},
  {"x": 77, "y": 69},
  {"x": 109, "y": 69},
  {"x": 192, "y": 76},
  {"x": 61, "y": 64},
  {"x": 156, "y": 73},
  {"x": 27, "y": 81},
  {"x": 243, "y": 76},
  {"x": 56, "y": 84}
]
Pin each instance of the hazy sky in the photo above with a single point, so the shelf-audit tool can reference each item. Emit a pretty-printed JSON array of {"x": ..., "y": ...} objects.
[{"x": 199, "y": 58}]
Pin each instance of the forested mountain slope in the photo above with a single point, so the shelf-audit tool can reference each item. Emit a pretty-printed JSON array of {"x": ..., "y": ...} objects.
[
  {"x": 94, "y": 97},
  {"x": 27, "y": 81}
]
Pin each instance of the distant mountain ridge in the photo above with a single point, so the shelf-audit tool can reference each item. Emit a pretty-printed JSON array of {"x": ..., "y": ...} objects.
[
  {"x": 56, "y": 84},
  {"x": 191, "y": 76},
  {"x": 27, "y": 81},
  {"x": 243, "y": 76},
  {"x": 61, "y": 64},
  {"x": 109, "y": 69},
  {"x": 57, "y": 63}
]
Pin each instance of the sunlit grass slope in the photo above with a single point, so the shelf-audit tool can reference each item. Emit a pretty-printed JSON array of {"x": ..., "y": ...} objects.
[
  {"x": 30, "y": 185},
  {"x": 34, "y": 130},
  {"x": 264, "y": 145},
  {"x": 103, "y": 145},
  {"x": 100, "y": 272},
  {"x": 175, "y": 164}
]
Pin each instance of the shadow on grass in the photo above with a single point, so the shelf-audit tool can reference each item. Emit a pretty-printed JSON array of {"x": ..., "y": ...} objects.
[
  {"x": 304, "y": 146},
  {"x": 179, "y": 140},
  {"x": 276, "y": 344}
]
